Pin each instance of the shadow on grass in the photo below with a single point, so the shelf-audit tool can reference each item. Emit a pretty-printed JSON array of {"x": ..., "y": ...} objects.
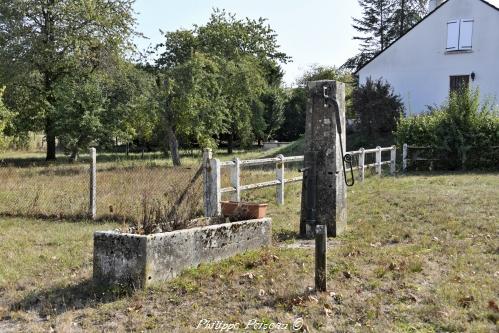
[
  {"x": 108, "y": 218},
  {"x": 446, "y": 173},
  {"x": 58, "y": 300},
  {"x": 285, "y": 235}
]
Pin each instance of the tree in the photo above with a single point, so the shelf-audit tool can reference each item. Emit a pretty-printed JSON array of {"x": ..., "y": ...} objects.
[
  {"x": 294, "y": 115},
  {"x": 373, "y": 27},
  {"x": 132, "y": 111},
  {"x": 79, "y": 108},
  {"x": 251, "y": 56},
  {"x": 189, "y": 91},
  {"x": 382, "y": 22},
  {"x": 42, "y": 42},
  {"x": 378, "y": 108},
  {"x": 406, "y": 14},
  {"x": 273, "y": 100},
  {"x": 211, "y": 80}
]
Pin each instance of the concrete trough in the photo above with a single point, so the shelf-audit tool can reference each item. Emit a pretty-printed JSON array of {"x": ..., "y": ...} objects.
[{"x": 140, "y": 260}]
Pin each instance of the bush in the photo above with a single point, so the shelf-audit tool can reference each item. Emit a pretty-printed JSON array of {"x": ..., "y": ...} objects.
[
  {"x": 461, "y": 132},
  {"x": 377, "y": 108}
]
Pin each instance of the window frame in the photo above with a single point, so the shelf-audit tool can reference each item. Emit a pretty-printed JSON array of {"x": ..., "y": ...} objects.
[
  {"x": 456, "y": 82},
  {"x": 455, "y": 45}
]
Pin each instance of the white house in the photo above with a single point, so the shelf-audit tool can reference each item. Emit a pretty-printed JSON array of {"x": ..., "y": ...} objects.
[{"x": 456, "y": 44}]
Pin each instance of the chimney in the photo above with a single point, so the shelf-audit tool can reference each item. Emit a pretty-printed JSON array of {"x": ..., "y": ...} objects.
[{"x": 434, "y": 4}]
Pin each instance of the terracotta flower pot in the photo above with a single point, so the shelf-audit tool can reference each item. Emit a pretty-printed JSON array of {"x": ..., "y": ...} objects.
[{"x": 245, "y": 210}]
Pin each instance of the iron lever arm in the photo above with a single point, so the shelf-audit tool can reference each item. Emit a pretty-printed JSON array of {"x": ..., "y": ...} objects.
[{"x": 347, "y": 159}]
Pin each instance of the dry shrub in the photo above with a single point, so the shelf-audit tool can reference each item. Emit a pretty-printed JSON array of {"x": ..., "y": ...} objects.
[{"x": 177, "y": 208}]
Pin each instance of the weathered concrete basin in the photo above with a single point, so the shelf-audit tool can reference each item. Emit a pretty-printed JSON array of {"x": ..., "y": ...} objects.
[{"x": 137, "y": 260}]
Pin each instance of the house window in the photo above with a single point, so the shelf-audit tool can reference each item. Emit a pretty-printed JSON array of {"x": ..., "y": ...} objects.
[
  {"x": 459, "y": 82},
  {"x": 460, "y": 35}
]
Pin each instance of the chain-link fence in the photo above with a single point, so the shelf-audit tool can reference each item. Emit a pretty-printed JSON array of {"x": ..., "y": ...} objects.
[
  {"x": 44, "y": 191},
  {"x": 144, "y": 194},
  {"x": 150, "y": 195}
]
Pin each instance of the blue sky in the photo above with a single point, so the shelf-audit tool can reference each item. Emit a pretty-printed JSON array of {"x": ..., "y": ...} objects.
[{"x": 310, "y": 31}]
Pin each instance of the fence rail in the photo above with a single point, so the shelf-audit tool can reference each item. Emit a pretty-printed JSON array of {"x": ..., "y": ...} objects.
[{"x": 212, "y": 174}]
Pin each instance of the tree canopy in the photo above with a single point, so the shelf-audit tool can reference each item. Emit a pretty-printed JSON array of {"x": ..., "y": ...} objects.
[{"x": 45, "y": 42}]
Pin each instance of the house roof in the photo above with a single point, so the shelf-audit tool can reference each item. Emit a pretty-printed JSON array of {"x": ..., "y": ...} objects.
[{"x": 492, "y": 3}]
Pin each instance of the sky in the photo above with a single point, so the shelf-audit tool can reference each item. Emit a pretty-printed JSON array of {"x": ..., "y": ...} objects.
[{"x": 310, "y": 31}]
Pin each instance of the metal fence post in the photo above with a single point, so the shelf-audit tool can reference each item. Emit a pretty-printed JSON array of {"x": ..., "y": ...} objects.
[
  {"x": 235, "y": 179},
  {"x": 92, "y": 209},
  {"x": 280, "y": 178},
  {"x": 378, "y": 160},
  {"x": 404, "y": 157},
  {"x": 362, "y": 162},
  {"x": 393, "y": 160}
]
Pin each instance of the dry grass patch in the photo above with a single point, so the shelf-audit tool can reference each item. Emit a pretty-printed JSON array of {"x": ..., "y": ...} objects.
[{"x": 421, "y": 255}]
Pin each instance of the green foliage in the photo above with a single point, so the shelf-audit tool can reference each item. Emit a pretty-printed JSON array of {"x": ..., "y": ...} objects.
[
  {"x": 220, "y": 80},
  {"x": 462, "y": 131},
  {"x": 294, "y": 115},
  {"x": 5, "y": 118},
  {"x": 132, "y": 110},
  {"x": 80, "y": 105},
  {"x": 382, "y": 22},
  {"x": 44, "y": 42},
  {"x": 318, "y": 72},
  {"x": 274, "y": 100},
  {"x": 377, "y": 108}
]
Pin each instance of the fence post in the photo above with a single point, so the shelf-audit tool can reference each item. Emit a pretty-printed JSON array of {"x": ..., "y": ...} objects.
[
  {"x": 378, "y": 160},
  {"x": 212, "y": 183},
  {"x": 362, "y": 162},
  {"x": 92, "y": 208},
  {"x": 404, "y": 157},
  {"x": 393, "y": 160},
  {"x": 280, "y": 177},
  {"x": 235, "y": 179}
]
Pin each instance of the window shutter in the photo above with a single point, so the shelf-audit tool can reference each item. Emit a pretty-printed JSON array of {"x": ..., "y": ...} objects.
[
  {"x": 466, "y": 35},
  {"x": 452, "y": 35}
]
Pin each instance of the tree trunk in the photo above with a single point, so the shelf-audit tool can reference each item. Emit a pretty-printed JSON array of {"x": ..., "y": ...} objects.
[
  {"x": 402, "y": 18},
  {"x": 230, "y": 147},
  {"x": 50, "y": 136},
  {"x": 173, "y": 143},
  {"x": 74, "y": 155}
]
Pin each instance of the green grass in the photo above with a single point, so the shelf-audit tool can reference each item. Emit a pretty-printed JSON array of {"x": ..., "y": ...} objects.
[{"x": 420, "y": 255}]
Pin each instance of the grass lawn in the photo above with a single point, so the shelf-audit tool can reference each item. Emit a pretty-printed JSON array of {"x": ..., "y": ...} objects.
[{"x": 421, "y": 255}]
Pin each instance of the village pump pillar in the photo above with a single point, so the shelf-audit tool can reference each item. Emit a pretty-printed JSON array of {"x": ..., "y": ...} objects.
[{"x": 324, "y": 189}]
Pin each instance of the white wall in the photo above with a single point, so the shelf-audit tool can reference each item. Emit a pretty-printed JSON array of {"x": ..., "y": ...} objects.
[{"x": 418, "y": 67}]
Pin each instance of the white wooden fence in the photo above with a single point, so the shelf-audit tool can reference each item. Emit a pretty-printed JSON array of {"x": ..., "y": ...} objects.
[{"x": 212, "y": 175}]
